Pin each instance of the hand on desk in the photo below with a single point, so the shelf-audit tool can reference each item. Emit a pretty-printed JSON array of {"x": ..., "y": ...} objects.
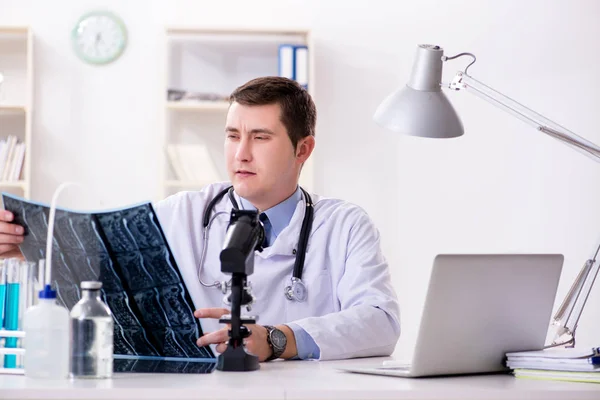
[
  {"x": 256, "y": 343},
  {"x": 11, "y": 236}
]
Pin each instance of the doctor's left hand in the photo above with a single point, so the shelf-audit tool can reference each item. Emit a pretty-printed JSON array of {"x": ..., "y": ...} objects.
[{"x": 256, "y": 343}]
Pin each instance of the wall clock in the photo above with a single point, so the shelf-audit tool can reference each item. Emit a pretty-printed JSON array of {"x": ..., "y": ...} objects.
[{"x": 99, "y": 37}]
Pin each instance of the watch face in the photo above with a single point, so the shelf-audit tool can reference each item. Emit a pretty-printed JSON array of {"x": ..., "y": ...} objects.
[
  {"x": 99, "y": 37},
  {"x": 278, "y": 339}
]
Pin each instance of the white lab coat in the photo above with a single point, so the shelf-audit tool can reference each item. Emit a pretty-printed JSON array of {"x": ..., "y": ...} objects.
[{"x": 351, "y": 309}]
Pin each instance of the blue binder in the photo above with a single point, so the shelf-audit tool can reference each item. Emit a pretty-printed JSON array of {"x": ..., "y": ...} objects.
[{"x": 293, "y": 63}]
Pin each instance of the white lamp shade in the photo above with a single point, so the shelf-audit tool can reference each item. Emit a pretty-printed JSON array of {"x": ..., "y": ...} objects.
[
  {"x": 416, "y": 113},
  {"x": 421, "y": 108}
]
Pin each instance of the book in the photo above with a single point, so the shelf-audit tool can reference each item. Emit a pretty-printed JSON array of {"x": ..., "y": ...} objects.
[
  {"x": 192, "y": 163},
  {"x": 556, "y": 354},
  {"x": 566, "y": 364},
  {"x": 590, "y": 377},
  {"x": 127, "y": 251}
]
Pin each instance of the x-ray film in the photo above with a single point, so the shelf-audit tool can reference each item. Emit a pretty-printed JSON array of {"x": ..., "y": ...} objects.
[
  {"x": 163, "y": 365},
  {"x": 127, "y": 251}
]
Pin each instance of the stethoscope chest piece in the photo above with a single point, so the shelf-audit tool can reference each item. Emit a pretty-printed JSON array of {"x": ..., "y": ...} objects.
[{"x": 296, "y": 291}]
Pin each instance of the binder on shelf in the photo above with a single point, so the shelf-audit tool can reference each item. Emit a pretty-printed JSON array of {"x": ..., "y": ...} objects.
[
  {"x": 293, "y": 63},
  {"x": 286, "y": 61},
  {"x": 301, "y": 65}
]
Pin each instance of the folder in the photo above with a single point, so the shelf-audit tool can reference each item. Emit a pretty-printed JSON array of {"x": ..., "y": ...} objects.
[
  {"x": 293, "y": 63},
  {"x": 301, "y": 65},
  {"x": 286, "y": 61}
]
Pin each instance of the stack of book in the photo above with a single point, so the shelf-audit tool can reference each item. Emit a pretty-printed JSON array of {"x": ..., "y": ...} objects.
[
  {"x": 565, "y": 364},
  {"x": 192, "y": 163},
  {"x": 12, "y": 155}
]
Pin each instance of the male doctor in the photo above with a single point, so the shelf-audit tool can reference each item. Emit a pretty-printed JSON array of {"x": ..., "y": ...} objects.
[{"x": 350, "y": 310}]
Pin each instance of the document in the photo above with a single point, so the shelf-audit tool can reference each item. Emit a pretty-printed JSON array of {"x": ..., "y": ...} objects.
[{"x": 127, "y": 251}]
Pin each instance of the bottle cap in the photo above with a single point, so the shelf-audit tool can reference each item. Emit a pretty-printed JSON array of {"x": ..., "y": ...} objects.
[
  {"x": 91, "y": 285},
  {"x": 47, "y": 293}
]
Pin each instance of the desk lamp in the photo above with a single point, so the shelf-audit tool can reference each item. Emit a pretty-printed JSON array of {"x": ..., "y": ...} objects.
[{"x": 422, "y": 109}]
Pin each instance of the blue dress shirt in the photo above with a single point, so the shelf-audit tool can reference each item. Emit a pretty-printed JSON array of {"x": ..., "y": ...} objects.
[{"x": 279, "y": 216}]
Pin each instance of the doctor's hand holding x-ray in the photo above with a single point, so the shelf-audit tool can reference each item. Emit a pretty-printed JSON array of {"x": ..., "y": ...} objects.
[{"x": 350, "y": 308}]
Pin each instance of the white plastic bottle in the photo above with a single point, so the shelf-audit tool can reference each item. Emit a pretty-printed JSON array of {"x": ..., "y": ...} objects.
[{"x": 47, "y": 338}]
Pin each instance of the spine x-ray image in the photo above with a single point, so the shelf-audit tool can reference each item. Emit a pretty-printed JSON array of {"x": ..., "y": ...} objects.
[{"x": 127, "y": 251}]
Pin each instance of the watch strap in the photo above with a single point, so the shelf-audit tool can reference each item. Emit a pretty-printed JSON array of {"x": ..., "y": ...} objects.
[{"x": 277, "y": 352}]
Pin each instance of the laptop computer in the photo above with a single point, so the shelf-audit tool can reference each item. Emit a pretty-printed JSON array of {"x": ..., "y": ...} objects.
[{"x": 478, "y": 308}]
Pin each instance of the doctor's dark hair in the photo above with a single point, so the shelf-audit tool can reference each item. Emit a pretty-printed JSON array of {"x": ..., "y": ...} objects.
[{"x": 298, "y": 111}]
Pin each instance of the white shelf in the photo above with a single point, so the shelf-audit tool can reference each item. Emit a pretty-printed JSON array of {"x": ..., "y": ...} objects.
[
  {"x": 198, "y": 105},
  {"x": 14, "y": 30},
  {"x": 6, "y": 109},
  {"x": 15, "y": 184}
]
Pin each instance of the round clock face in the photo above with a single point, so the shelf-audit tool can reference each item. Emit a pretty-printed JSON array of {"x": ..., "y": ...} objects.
[{"x": 99, "y": 37}]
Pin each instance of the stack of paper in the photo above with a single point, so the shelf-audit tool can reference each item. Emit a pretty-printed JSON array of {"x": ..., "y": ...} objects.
[
  {"x": 581, "y": 365},
  {"x": 192, "y": 163}
]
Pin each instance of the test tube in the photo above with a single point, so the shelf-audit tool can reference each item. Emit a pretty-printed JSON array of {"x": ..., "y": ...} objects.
[
  {"x": 11, "y": 320},
  {"x": 2, "y": 304},
  {"x": 2, "y": 293}
]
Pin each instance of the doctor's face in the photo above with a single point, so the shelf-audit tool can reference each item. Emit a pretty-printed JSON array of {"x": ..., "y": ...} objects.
[{"x": 261, "y": 161}]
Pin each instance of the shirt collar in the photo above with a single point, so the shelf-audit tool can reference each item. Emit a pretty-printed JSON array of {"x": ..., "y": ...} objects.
[{"x": 279, "y": 215}]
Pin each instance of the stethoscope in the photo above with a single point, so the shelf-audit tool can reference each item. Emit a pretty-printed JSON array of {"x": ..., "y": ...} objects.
[{"x": 297, "y": 289}]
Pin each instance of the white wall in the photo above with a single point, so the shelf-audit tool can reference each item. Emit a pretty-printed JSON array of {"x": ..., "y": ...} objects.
[{"x": 500, "y": 188}]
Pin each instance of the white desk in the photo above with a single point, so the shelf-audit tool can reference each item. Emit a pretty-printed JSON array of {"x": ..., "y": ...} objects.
[{"x": 295, "y": 380}]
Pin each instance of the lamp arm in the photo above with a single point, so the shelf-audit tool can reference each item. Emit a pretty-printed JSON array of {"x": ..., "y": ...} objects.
[
  {"x": 567, "y": 317},
  {"x": 539, "y": 122}
]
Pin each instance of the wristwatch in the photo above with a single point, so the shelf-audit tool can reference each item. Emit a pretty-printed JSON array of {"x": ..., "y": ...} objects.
[{"x": 276, "y": 340}]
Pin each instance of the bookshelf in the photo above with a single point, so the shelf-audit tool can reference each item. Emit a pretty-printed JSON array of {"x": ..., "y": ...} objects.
[
  {"x": 16, "y": 100},
  {"x": 203, "y": 66}
]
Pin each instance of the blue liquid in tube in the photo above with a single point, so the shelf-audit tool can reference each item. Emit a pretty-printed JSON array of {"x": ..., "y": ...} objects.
[
  {"x": 2, "y": 301},
  {"x": 11, "y": 322}
]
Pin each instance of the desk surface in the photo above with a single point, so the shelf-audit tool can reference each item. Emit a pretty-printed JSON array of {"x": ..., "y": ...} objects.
[{"x": 295, "y": 380}]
